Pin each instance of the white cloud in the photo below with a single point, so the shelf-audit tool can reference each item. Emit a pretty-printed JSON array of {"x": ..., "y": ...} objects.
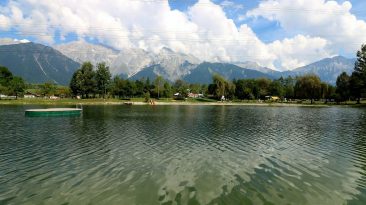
[
  {"x": 22, "y": 40},
  {"x": 299, "y": 51},
  {"x": 319, "y": 18},
  {"x": 4, "y": 22},
  {"x": 10, "y": 41},
  {"x": 231, "y": 5},
  {"x": 204, "y": 30}
]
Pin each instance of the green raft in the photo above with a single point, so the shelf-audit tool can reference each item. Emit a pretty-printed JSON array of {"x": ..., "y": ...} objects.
[{"x": 53, "y": 112}]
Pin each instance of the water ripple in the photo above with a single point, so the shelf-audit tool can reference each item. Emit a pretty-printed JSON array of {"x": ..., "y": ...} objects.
[{"x": 184, "y": 155}]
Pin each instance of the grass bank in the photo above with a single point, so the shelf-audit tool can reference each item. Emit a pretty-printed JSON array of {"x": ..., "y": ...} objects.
[{"x": 166, "y": 101}]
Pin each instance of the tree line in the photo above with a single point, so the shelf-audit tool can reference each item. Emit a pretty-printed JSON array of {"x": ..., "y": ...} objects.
[
  {"x": 10, "y": 84},
  {"x": 88, "y": 82},
  {"x": 353, "y": 87}
]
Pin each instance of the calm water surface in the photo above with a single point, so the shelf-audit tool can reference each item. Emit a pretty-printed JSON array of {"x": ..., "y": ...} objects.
[{"x": 195, "y": 155}]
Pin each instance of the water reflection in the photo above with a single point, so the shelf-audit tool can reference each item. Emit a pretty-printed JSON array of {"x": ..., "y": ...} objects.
[{"x": 203, "y": 155}]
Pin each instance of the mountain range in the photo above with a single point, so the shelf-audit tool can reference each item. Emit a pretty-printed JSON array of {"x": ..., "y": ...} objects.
[{"x": 38, "y": 63}]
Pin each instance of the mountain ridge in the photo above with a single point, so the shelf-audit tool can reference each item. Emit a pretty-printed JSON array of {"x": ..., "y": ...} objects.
[
  {"x": 37, "y": 63},
  {"x": 135, "y": 63}
]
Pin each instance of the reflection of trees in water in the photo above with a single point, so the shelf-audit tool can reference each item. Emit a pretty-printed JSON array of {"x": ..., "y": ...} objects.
[{"x": 360, "y": 150}]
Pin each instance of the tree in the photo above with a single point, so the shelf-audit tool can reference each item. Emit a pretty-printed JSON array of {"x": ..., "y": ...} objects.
[
  {"x": 147, "y": 86},
  {"x": 309, "y": 87},
  {"x": 5, "y": 76},
  {"x": 289, "y": 84},
  {"x": 263, "y": 85},
  {"x": 118, "y": 87},
  {"x": 343, "y": 86},
  {"x": 244, "y": 88},
  {"x": 83, "y": 81},
  {"x": 167, "y": 90},
  {"x": 327, "y": 91},
  {"x": 139, "y": 88},
  {"x": 220, "y": 85},
  {"x": 331, "y": 93},
  {"x": 103, "y": 78},
  {"x": 158, "y": 82},
  {"x": 3, "y": 89},
  {"x": 356, "y": 86},
  {"x": 62, "y": 91},
  {"x": 181, "y": 87},
  {"x": 88, "y": 79},
  {"x": 75, "y": 83},
  {"x": 48, "y": 89},
  {"x": 358, "y": 77},
  {"x": 276, "y": 88},
  {"x": 16, "y": 86},
  {"x": 130, "y": 88}
]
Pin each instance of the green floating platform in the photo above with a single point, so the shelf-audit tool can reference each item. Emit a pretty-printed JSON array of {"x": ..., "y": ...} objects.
[{"x": 53, "y": 112}]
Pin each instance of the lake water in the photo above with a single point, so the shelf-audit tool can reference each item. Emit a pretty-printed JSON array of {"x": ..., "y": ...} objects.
[{"x": 194, "y": 155}]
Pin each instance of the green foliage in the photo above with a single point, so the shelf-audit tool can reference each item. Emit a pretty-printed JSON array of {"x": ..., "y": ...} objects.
[
  {"x": 75, "y": 83},
  {"x": 3, "y": 89},
  {"x": 83, "y": 81},
  {"x": 308, "y": 87},
  {"x": 245, "y": 89},
  {"x": 357, "y": 85},
  {"x": 118, "y": 87},
  {"x": 276, "y": 88},
  {"x": 158, "y": 84},
  {"x": 358, "y": 77},
  {"x": 147, "y": 97},
  {"x": 250, "y": 89},
  {"x": 263, "y": 85},
  {"x": 181, "y": 87},
  {"x": 87, "y": 82},
  {"x": 289, "y": 84},
  {"x": 5, "y": 76},
  {"x": 16, "y": 86},
  {"x": 103, "y": 78},
  {"x": 48, "y": 89},
  {"x": 343, "y": 86},
  {"x": 9, "y": 84},
  {"x": 221, "y": 87},
  {"x": 168, "y": 91},
  {"x": 360, "y": 66}
]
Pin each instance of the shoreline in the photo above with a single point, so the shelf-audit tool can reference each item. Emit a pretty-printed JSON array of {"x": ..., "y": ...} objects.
[{"x": 163, "y": 103}]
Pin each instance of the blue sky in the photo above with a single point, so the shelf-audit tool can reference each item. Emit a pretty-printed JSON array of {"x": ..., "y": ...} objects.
[
  {"x": 266, "y": 30},
  {"x": 280, "y": 34}
]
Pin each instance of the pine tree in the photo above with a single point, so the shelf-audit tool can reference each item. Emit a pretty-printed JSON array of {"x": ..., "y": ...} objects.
[
  {"x": 358, "y": 78},
  {"x": 343, "y": 86}
]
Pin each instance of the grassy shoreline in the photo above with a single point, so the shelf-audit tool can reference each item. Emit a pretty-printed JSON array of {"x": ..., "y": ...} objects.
[{"x": 140, "y": 101}]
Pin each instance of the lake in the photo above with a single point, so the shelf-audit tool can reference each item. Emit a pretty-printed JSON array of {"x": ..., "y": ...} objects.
[{"x": 194, "y": 155}]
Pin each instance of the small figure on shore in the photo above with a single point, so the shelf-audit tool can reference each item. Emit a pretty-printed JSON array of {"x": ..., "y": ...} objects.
[{"x": 222, "y": 98}]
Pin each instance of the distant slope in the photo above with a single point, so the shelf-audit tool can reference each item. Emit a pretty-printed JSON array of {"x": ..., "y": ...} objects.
[
  {"x": 181, "y": 69},
  {"x": 81, "y": 52},
  {"x": 327, "y": 69},
  {"x": 129, "y": 61},
  {"x": 255, "y": 66},
  {"x": 149, "y": 72},
  {"x": 204, "y": 72},
  {"x": 37, "y": 63}
]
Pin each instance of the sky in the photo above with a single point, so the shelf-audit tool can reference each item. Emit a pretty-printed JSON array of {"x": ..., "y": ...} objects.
[{"x": 279, "y": 34}]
